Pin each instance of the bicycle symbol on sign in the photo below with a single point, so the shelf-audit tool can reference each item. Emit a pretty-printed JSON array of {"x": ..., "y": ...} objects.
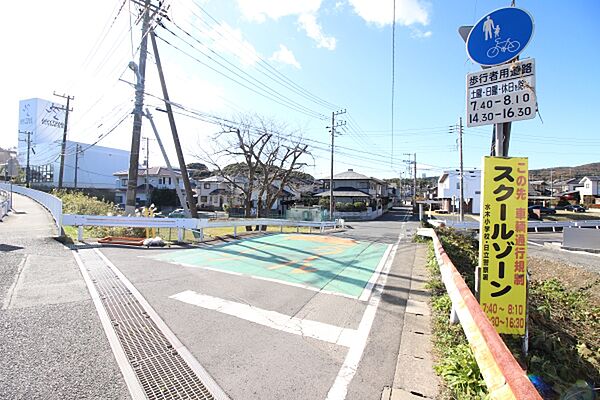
[{"x": 503, "y": 45}]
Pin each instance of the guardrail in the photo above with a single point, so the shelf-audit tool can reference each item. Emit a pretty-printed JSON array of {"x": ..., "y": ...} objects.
[
  {"x": 534, "y": 226},
  {"x": 51, "y": 203},
  {"x": 54, "y": 206},
  {"x": 502, "y": 374},
  {"x": 5, "y": 205},
  {"x": 195, "y": 225}
]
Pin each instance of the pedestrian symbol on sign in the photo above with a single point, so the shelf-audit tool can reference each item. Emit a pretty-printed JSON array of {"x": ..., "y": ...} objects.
[{"x": 500, "y": 36}]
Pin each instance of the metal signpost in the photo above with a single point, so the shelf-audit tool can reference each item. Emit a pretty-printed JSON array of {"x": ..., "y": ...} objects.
[
  {"x": 501, "y": 94},
  {"x": 504, "y": 91}
]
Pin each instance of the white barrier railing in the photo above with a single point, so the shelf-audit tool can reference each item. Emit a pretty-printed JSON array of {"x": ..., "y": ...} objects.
[
  {"x": 532, "y": 225},
  {"x": 54, "y": 205},
  {"x": 5, "y": 205},
  {"x": 195, "y": 225},
  {"x": 51, "y": 203}
]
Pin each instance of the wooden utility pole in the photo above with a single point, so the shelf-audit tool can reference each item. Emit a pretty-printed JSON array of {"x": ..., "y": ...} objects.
[
  {"x": 183, "y": 168},
  {"x": 461, "y": 178},
  {"x": 134, "y": 156},
  {"x": 333, "y": 126},
  {"x": 77, "y": 151},
  {"x": 64, "y": 138},
  {"x": 27, "y": 170}
]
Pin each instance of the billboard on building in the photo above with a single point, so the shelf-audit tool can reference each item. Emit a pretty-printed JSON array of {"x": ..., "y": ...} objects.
[{"x": 44, "y": 119}]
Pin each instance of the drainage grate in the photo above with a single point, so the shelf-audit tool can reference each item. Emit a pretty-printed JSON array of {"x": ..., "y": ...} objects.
[{"x": 161, "y": 370}]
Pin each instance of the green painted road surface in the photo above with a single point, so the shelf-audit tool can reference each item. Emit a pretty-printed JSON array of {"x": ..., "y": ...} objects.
[{"x": 328, "y": 263}]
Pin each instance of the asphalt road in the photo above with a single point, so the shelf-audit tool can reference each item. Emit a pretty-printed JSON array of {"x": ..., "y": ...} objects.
[
  {"x": 250, "y": 354},
  {"x": 51, "y": 343},
  {"x": 540, "y": 247}
]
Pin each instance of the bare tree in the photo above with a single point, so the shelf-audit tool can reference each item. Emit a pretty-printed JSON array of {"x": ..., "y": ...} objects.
[{"x": 264, "y": 153}]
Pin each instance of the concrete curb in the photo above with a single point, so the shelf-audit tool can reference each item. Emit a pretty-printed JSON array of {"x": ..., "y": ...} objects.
[{"x": 414, "y": 377}]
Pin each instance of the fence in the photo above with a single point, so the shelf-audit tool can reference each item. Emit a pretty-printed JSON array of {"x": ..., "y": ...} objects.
[
  {"x": 181, "y": 224},
  {"x": 51, "y": 203},
  {"x": 54, "y": 205},
  {"x": 504, "y": 378}
]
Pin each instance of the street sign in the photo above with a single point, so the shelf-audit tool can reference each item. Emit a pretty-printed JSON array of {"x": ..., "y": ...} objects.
[
  {"x": 500, "y": 36},
  {"x": 503, "y": 243},
  {"x": 502, "y": 94}
]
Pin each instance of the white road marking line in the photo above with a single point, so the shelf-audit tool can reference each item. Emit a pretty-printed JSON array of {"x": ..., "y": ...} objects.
[
  {"x": 366, "y": 293},
  {"x": 261, "y": 278},
  {"x": 272, "y": 319},
  {"x": 339, "y": 389}
]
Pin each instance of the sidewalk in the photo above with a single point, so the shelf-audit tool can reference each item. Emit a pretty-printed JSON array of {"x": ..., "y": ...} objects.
[
  {"x": 52, "y": 345},
  {"x": 415, "y": 377}
]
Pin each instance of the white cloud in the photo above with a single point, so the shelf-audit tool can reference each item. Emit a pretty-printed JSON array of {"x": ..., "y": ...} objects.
[
  {"x": 260, "y": 10},
  {"x": 420, "y": 34},
  {"x": 305, "y": 10},
  {"x": 229, "y": 40},
  {"x": 285, "y": 56},
  {"x": 379, "y": 12},
  {"x": 308, "y": 22}
]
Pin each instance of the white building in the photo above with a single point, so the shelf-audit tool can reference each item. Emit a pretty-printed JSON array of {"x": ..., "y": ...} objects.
[
  {"x": 449, "y": 191},
  {"x": 589, "y": 190},
  {"x": 215, "y": 191},
  {"x": 41, "y": 123},
  {"x": 156, "y": 177}
]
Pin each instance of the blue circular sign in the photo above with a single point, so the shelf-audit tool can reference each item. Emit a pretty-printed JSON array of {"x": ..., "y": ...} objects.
[{"x": 500, "y": 36}]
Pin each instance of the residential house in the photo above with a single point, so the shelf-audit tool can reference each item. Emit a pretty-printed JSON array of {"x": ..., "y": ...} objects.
[
  {"x": 448, "y": 191},
  {"x": 590, "y": 189},
  {"x": 540, "y": 186},
  {"x": 148, "y": 180},
  {"x": 351, "y": 186},
  {"x": 215, "y": 191}
]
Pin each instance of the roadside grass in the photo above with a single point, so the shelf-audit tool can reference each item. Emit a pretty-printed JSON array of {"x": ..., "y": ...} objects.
[{"x": 564, "y": 347}]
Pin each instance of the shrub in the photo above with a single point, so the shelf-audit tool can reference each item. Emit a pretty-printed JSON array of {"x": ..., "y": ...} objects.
[{"x": 75, "y": 202}]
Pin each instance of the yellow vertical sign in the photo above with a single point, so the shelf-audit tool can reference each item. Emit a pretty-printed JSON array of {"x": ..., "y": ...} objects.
[{"x": 503, "y": 243}]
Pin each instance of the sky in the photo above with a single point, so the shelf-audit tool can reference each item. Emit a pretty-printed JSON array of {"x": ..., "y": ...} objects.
[{"x": 296, "y": 62}]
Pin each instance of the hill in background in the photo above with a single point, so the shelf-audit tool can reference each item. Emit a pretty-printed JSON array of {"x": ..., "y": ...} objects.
[{"x": 561, "y": 173}]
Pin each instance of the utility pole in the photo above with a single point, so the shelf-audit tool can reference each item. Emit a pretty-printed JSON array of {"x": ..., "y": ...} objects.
[
  {"x": 27, "y": 170},
  {"x": 414, "y": 162},
  {"x": 77, "y": 150},
  {"x": 183, "y": 168},
  {"x": 415, "y": 181},
  {"x": 140, "y": 70},
  {"x": 169, "y": 168},
  {"x": 64, "y": 138},
  {"x": 147, "y": 172},
  {"x": 333, "y": 126},
  {"x": 461, "y": 178}
]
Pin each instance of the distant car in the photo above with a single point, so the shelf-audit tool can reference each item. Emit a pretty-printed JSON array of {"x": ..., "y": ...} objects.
[
  {"x": 575, "y": 208},
  {"x": 543, "y": 210},
  {"x": 177, "y": 213}
]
